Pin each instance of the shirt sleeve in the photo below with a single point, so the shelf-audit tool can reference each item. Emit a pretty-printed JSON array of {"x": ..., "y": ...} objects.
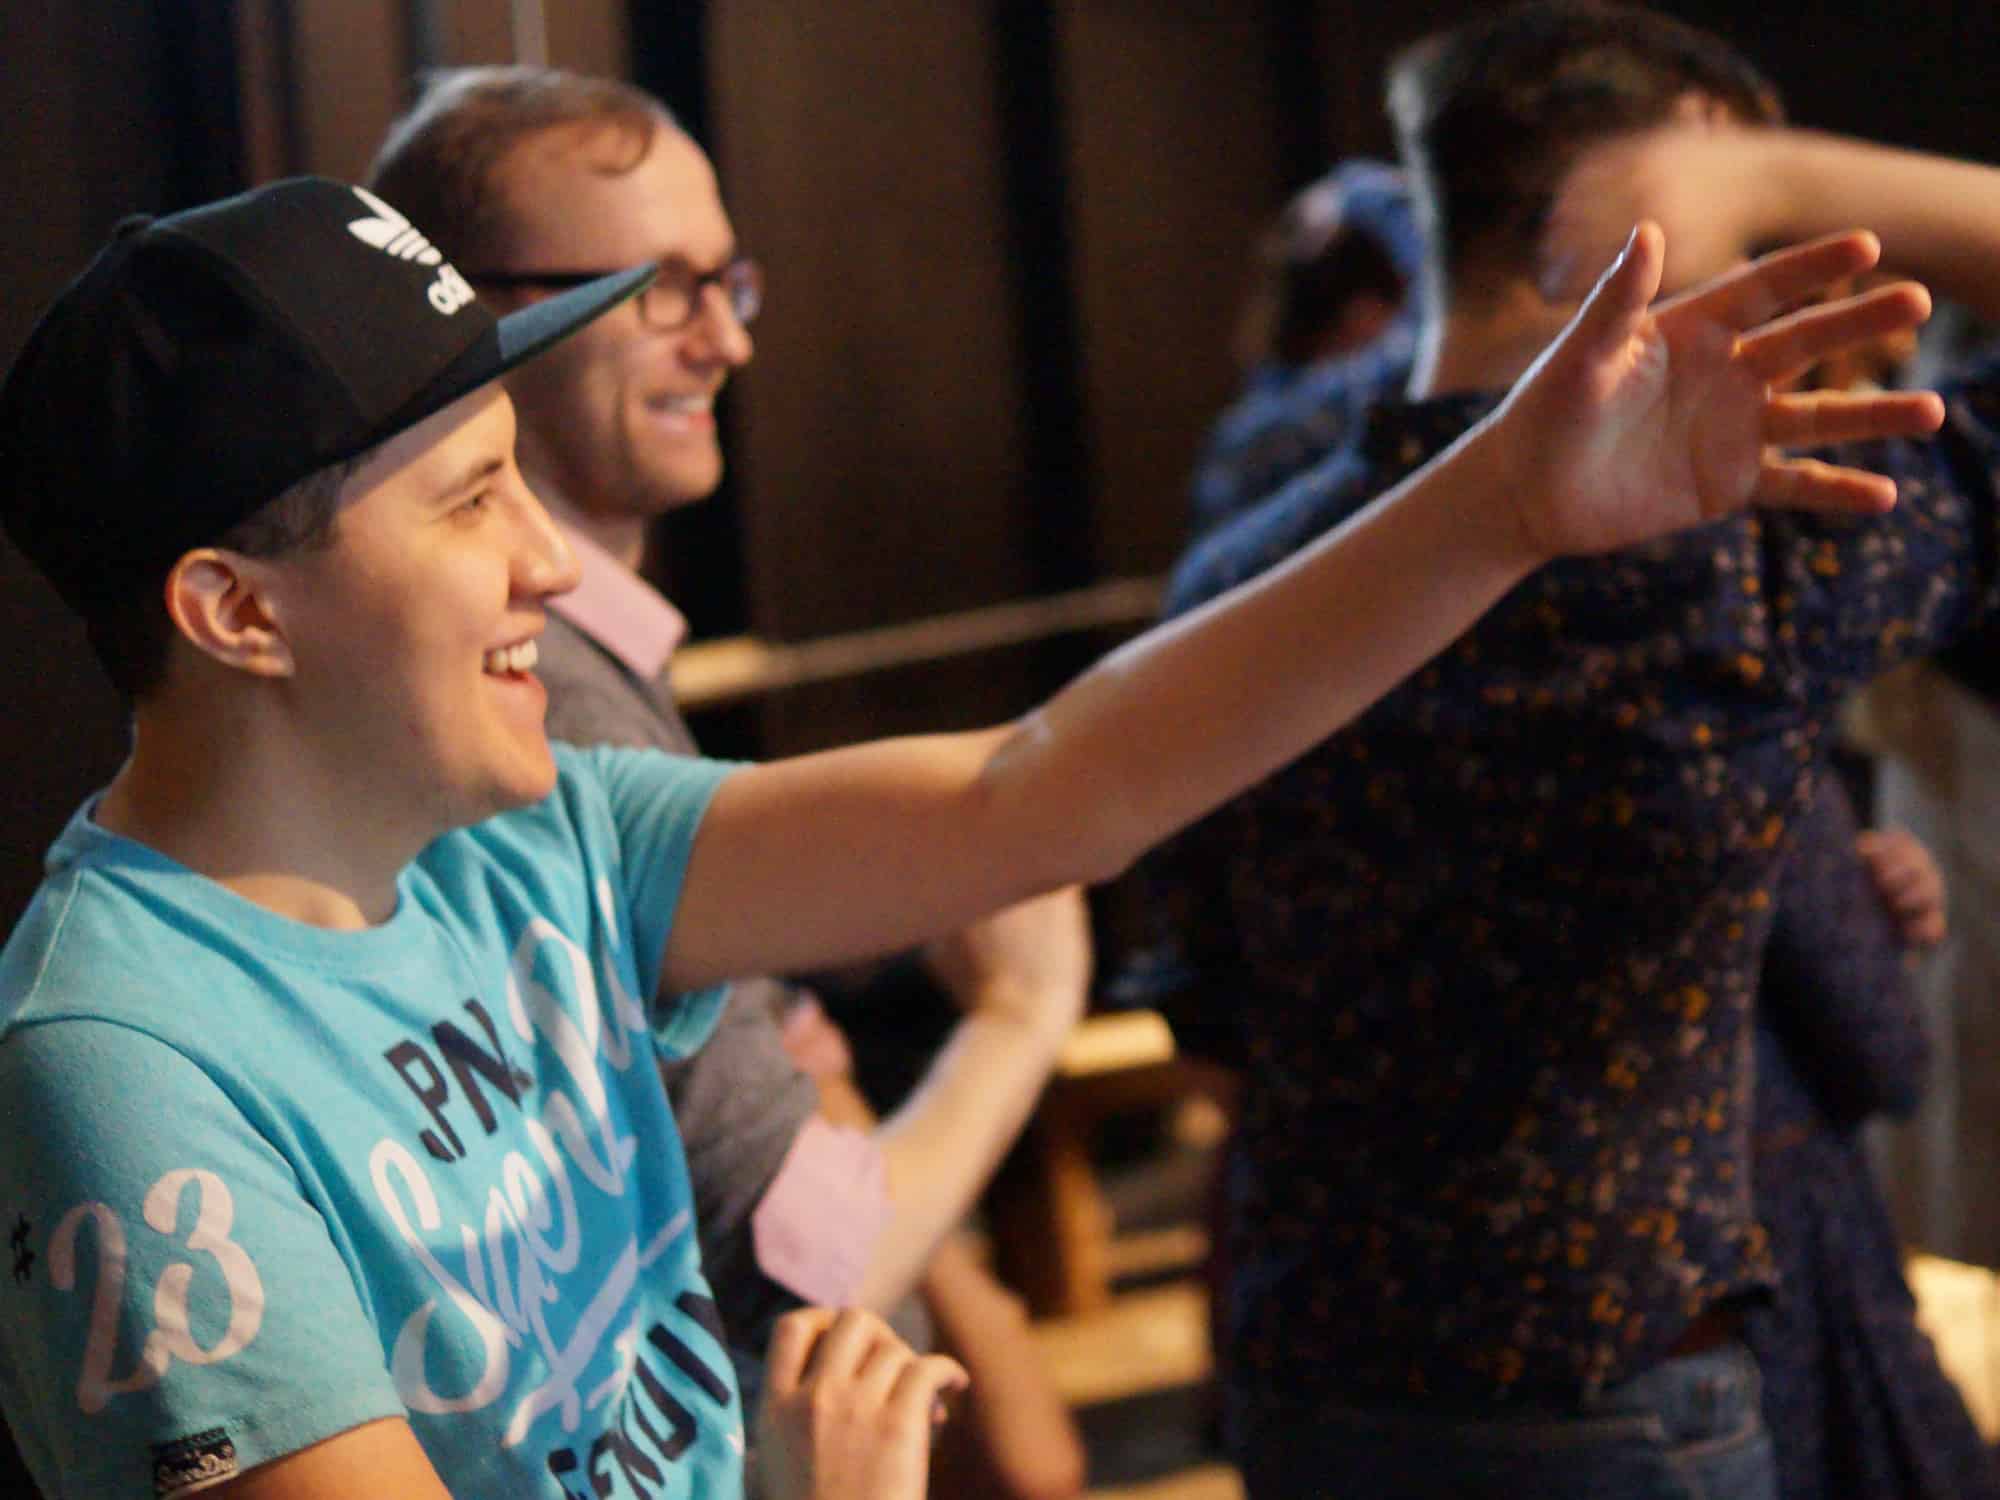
[
  {"x": 657, "y": 802},
  {"x": 1855, "y": 598},
  {"x": 740, "y": 1104},
  {"x": 1834, "y": 985},
  {"x": 176, "y": 1311}
]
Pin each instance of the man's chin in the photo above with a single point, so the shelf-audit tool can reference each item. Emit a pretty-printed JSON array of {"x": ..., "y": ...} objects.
[
  {"x": 688, "y": 480},
  {"x": 526, "y": 784}
]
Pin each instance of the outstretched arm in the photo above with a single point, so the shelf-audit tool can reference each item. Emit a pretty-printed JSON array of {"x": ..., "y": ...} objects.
[
  {"x": 1636, "y": 422},
  {"x": 1722, "y": 194}
]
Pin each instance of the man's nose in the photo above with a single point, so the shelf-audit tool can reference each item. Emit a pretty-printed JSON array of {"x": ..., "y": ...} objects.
[
  {"x": 721, "y": 334},
  {"x": 544, "y": 561}
]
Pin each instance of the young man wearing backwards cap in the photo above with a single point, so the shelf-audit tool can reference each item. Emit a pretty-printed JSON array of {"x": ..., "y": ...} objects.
[{"x": 338, "y": 1158}]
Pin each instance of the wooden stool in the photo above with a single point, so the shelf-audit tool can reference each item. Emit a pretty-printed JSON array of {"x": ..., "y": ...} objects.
[{"x": 1052, "y": 1227}]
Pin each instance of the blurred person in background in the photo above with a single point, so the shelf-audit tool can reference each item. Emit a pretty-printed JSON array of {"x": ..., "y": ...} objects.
[
  {"x": 1493, "y": 950},
  {"x": 1329, "y": 325}
]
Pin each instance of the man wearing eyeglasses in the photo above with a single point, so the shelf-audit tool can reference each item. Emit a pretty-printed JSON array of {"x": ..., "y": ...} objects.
[{"x": 531, "y": 180}]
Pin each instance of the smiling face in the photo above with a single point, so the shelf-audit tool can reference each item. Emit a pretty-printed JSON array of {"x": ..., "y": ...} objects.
[
  {"x": 618, "y": 421},
  {"x": 412, "y": 633}
]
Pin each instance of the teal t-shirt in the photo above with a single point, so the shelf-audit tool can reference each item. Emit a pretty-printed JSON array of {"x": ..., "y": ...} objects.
[{"x": 265, "y": 1182}]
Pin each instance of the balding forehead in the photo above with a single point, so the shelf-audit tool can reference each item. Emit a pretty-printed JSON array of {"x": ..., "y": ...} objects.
[
  {"x": 580, "y": 196},
  {"x": 533, "y": 170},
  {"x": 611, "y": 146}
]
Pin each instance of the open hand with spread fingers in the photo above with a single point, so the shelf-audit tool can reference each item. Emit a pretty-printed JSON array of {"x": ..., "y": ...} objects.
[{"x": 1642, "y": 419}]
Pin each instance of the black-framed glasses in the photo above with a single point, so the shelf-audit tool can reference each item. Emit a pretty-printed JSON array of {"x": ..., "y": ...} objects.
[{"x": 671, "y": 302}]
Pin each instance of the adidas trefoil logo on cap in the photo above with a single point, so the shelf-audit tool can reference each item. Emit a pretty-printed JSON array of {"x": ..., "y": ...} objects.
[
  {"x": 395, "y": 235},
  {"x": 390, "y": 231}
]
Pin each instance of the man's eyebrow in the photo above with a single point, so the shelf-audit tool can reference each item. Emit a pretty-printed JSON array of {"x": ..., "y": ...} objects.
[
  {"x": 688, "y": 262},
  {"x": 478, "y": 473}
]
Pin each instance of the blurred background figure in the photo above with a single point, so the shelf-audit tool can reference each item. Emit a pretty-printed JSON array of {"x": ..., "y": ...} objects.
[
  {"x": 1329, "y": 325},
  {"x": 1934, "y": 730},
  {"x": 1853, "y": 1393},
  {"x": 1855, "y": 1400},
  {"x": 1494, "y": 948}
]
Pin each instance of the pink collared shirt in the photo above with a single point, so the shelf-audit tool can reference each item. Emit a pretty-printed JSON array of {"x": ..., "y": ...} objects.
[
  {"x": 816, "y": 1226},
  {"x": 619, "y": 610}
]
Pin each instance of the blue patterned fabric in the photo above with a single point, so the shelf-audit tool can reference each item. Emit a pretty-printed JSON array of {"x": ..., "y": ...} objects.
[
  {"x": 1856, "y": 1402},
  {"x": 1289, "y": 417},
  {"x": 1490, "y": 953}
]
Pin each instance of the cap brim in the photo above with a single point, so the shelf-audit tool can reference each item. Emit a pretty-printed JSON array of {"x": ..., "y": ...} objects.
[
  {"x": 526, "y": 333},
  {"x": 507, "y": 342}
]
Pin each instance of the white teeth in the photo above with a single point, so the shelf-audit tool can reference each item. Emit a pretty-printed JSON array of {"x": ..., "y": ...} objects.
[
  {"x": 516, "y": 658},
  {"x": 688, "y": 403}
]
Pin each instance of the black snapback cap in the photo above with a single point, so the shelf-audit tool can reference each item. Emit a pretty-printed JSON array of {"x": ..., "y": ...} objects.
[{"x": 206, "y": 362}]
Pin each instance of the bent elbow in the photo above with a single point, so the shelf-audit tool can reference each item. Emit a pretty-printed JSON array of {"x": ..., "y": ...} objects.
[{"x": 1067, "y": 819}]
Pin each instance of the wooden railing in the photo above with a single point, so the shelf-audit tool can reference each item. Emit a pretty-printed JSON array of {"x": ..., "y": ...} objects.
[{"x": 710, "y": 673}]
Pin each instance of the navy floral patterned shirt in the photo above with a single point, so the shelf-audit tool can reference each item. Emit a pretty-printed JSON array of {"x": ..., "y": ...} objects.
[{"x": 1489, "y": 954}]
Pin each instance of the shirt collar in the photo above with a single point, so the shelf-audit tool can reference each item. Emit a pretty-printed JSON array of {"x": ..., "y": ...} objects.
[
  {"x": 619, "y": 610},
  {"x": 1400, "y": 434}
]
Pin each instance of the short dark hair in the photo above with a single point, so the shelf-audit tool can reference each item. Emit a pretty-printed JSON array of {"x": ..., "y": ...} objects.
[
  {"x": 133, "y": 635},
  {"x": 1491, "y": 115},
  {"x": 1310, "y": 291},
  {"x": 438, "y": 161}
]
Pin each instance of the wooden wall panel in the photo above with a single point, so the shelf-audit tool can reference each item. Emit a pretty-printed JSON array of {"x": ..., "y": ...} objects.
[
  {"x": 79, "y": 91},
  {"x": 481, "y": 31},
  {"x": 350, "y": 68},
  {"x": 1355, "y": 44},
  {"x": 40, "y": 85},
  {"x": 878, "y": 439},
  {"x": 1171, "y": 110},
  {"x": 591, "y": 36},
  {"x": 588, "y": 36},
  {"x": 352, "y": 63},
  {"x": 879, "y": 432}
]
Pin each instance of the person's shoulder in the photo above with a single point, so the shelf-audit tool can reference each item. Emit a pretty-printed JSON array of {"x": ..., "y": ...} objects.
[
  {"x": 35, "y": 948},
  {"x": 594, "y": 785},
  {"x": 572, "y": 663},
  {"x": 592, "y": 776},
  {"x": 91, "y": 945},
  {"x": 1387, "y": 443}
]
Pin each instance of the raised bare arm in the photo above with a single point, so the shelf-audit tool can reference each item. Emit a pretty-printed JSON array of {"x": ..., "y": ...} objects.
[{"x": 1637, "y": 421}]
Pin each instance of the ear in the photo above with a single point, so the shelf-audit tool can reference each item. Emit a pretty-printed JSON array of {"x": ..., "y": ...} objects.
[{"x": 221, "y": 602}]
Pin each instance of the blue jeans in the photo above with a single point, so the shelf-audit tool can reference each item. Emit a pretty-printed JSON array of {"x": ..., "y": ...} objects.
[{"x": 1687, "y": 1429}]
